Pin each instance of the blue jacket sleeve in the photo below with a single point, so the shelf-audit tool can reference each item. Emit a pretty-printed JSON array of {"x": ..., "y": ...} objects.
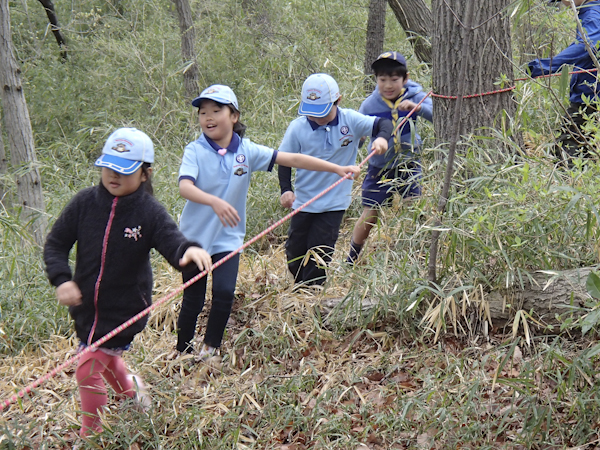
[{"x": 575, "y": 54}]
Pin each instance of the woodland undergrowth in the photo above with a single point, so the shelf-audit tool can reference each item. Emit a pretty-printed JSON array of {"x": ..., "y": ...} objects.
[{"x": 381, "y": 358}]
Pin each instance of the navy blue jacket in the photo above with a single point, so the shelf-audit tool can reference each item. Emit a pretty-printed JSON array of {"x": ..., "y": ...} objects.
[
  {"x": 114, "y": 237},
  {"x": 577, "y": 55}
]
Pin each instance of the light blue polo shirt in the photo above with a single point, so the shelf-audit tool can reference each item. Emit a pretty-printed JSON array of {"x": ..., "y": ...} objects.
[
  {"x": 336, "y": 142},
  {"x": 227, "y": 177}
]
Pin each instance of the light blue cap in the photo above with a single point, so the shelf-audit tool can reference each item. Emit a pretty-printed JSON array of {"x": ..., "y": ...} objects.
[
  {"x": 319, "y": 93},
  {"x": 125, "y": 150},
  {"x": 218, "y": 93}
]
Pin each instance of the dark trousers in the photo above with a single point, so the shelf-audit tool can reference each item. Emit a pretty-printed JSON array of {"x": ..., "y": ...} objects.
[
  {"x": 223, "y": 288},
  {"x": 572, "y": 139},
  {"x": 317, "y": 232}
]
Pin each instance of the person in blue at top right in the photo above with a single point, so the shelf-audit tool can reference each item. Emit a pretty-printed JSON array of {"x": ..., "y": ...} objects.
[
  {"x": 399, "y": 169},
  {"x": 583, "y": 87}
]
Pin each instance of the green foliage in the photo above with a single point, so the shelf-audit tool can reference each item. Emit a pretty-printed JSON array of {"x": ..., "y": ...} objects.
[{"x": 508, "y": 216}]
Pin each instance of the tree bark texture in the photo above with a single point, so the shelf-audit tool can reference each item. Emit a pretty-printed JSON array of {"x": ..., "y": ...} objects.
[
  {"x": 550, "y": 298},
  {"x": 488, "y": 57},
  {"x": 188, "y": 37},
  {"x": 547, "y": 296},
  {"x": 3, "y": 171},
  {"x": 55, "y": 27},
  {"x": 415, "y": 18},
  {"x": 375, "y": 34},
  {"x": 19, "y": 132}
]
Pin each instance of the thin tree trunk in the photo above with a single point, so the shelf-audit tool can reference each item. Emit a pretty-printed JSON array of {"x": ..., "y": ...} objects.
[
  {"x": 415, "y": 18},
  {"x": 3, "y": 171},
  {"x": 20, "y": 134},
  {"x": 188, "y": 37},
  {"x": 375, "y": 37},
  {"x": 55, "y": 27}
]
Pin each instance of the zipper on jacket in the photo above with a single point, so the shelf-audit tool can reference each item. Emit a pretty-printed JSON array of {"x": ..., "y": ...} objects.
[{"x": 102, "y": 263}]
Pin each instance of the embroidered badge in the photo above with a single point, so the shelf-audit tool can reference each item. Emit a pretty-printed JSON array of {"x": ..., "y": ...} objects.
[
  {"x": 120, "y": 148},
  {"x": 344, "y": 130},
  {"x": 240, "y": 171},
  {"x": 346, "y": 142},
  {"x": 211, "y": 91},
  {"x": 240, "y": 158},
  {"x": 313, "y": 96},
  {"x": 134, "y": 233}
]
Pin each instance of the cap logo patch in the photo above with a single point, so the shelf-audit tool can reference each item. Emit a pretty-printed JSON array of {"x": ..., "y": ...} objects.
[
  {"x": 211, "y": 91},
  {"x": 122, "y": 148},
  {"x": 346, "y": 142},
  {"x": 386, "y": 55},
  {"x": 240, "y": 158},
  {"x": 313, "y": 96},
  {"x": 344, "y": 130}
]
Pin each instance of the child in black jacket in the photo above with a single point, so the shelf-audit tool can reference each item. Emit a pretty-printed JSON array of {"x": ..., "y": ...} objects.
[{"x": 115, "y": 225}]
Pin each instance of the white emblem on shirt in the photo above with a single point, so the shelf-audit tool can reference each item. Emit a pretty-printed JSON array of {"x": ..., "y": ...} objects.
[{"x": 134, "y": 233}]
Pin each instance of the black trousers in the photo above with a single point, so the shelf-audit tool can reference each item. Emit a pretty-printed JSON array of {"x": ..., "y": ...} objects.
[
  {"x": 572, "y": 138},
  {"x": 317, "y": 232},
  {"x": 223, "y": 289}
]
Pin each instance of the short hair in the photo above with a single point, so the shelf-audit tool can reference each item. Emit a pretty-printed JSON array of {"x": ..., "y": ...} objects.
[{"x": 389, "y": 67}]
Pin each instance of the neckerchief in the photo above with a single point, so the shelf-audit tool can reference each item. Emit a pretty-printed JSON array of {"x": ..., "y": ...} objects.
[{"x": 394, "y": 107}]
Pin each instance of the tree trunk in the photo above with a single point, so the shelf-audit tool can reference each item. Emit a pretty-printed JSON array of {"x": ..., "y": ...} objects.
[
  {"x": 3, "y": 171},
  {"x": 415, "y": 18},
  {"x": 375, "y": 37},
  {"x": 488, "y": 59},
  {"x": 55, "y": 27},
  {"x": 20, "y": 134},
  {"x": 551, "y": 299},
  {"x": 547, "y": 296},
  {"x": 188, "y": 37}
]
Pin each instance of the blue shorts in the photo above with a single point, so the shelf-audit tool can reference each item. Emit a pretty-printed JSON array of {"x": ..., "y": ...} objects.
[{"x": 380, "y": 184}]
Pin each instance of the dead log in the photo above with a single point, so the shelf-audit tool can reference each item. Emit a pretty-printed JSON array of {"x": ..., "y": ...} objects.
[{"x": 549, "y": 296}]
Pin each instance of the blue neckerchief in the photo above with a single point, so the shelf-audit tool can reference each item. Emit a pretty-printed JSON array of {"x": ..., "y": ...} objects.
[
  {"x": 233, "y": 147},
  {"x": 327, "y": 127}
]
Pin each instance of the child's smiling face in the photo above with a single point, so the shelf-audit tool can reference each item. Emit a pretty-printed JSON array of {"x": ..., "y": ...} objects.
[
  {"x": 390, "y": 86},
  {"x": 217, "y": 121}
]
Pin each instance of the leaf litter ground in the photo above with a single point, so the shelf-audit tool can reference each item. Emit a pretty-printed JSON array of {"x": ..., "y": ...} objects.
[{"x": 290, "y": 380}]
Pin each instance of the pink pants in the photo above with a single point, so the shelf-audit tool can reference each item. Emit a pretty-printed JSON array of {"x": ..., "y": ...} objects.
[{"x": 91, "y": 369}]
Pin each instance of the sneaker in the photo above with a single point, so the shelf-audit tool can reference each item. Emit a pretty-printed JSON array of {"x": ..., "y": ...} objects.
[
  {"x": 206, "y": 353},
  {"x": 142, "y": 398}
]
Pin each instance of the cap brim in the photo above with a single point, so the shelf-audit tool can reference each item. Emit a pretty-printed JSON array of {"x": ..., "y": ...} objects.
[
  {"x": 198, "y": 101},
  {"x": 118, "y": 164},
  {"x": 314, "y": 110}
]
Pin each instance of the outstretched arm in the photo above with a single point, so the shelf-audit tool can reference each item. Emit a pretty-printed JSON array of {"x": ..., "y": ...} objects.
[{"x": 311, "y": 163}]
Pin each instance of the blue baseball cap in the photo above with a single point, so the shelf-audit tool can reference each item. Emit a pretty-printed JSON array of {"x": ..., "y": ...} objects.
[
  {"x": 319, "y": 93},
  {"x": 218, "y": 93},
  {"x": 125, "y": 150},
  {"x": 389, "y": 56}
]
